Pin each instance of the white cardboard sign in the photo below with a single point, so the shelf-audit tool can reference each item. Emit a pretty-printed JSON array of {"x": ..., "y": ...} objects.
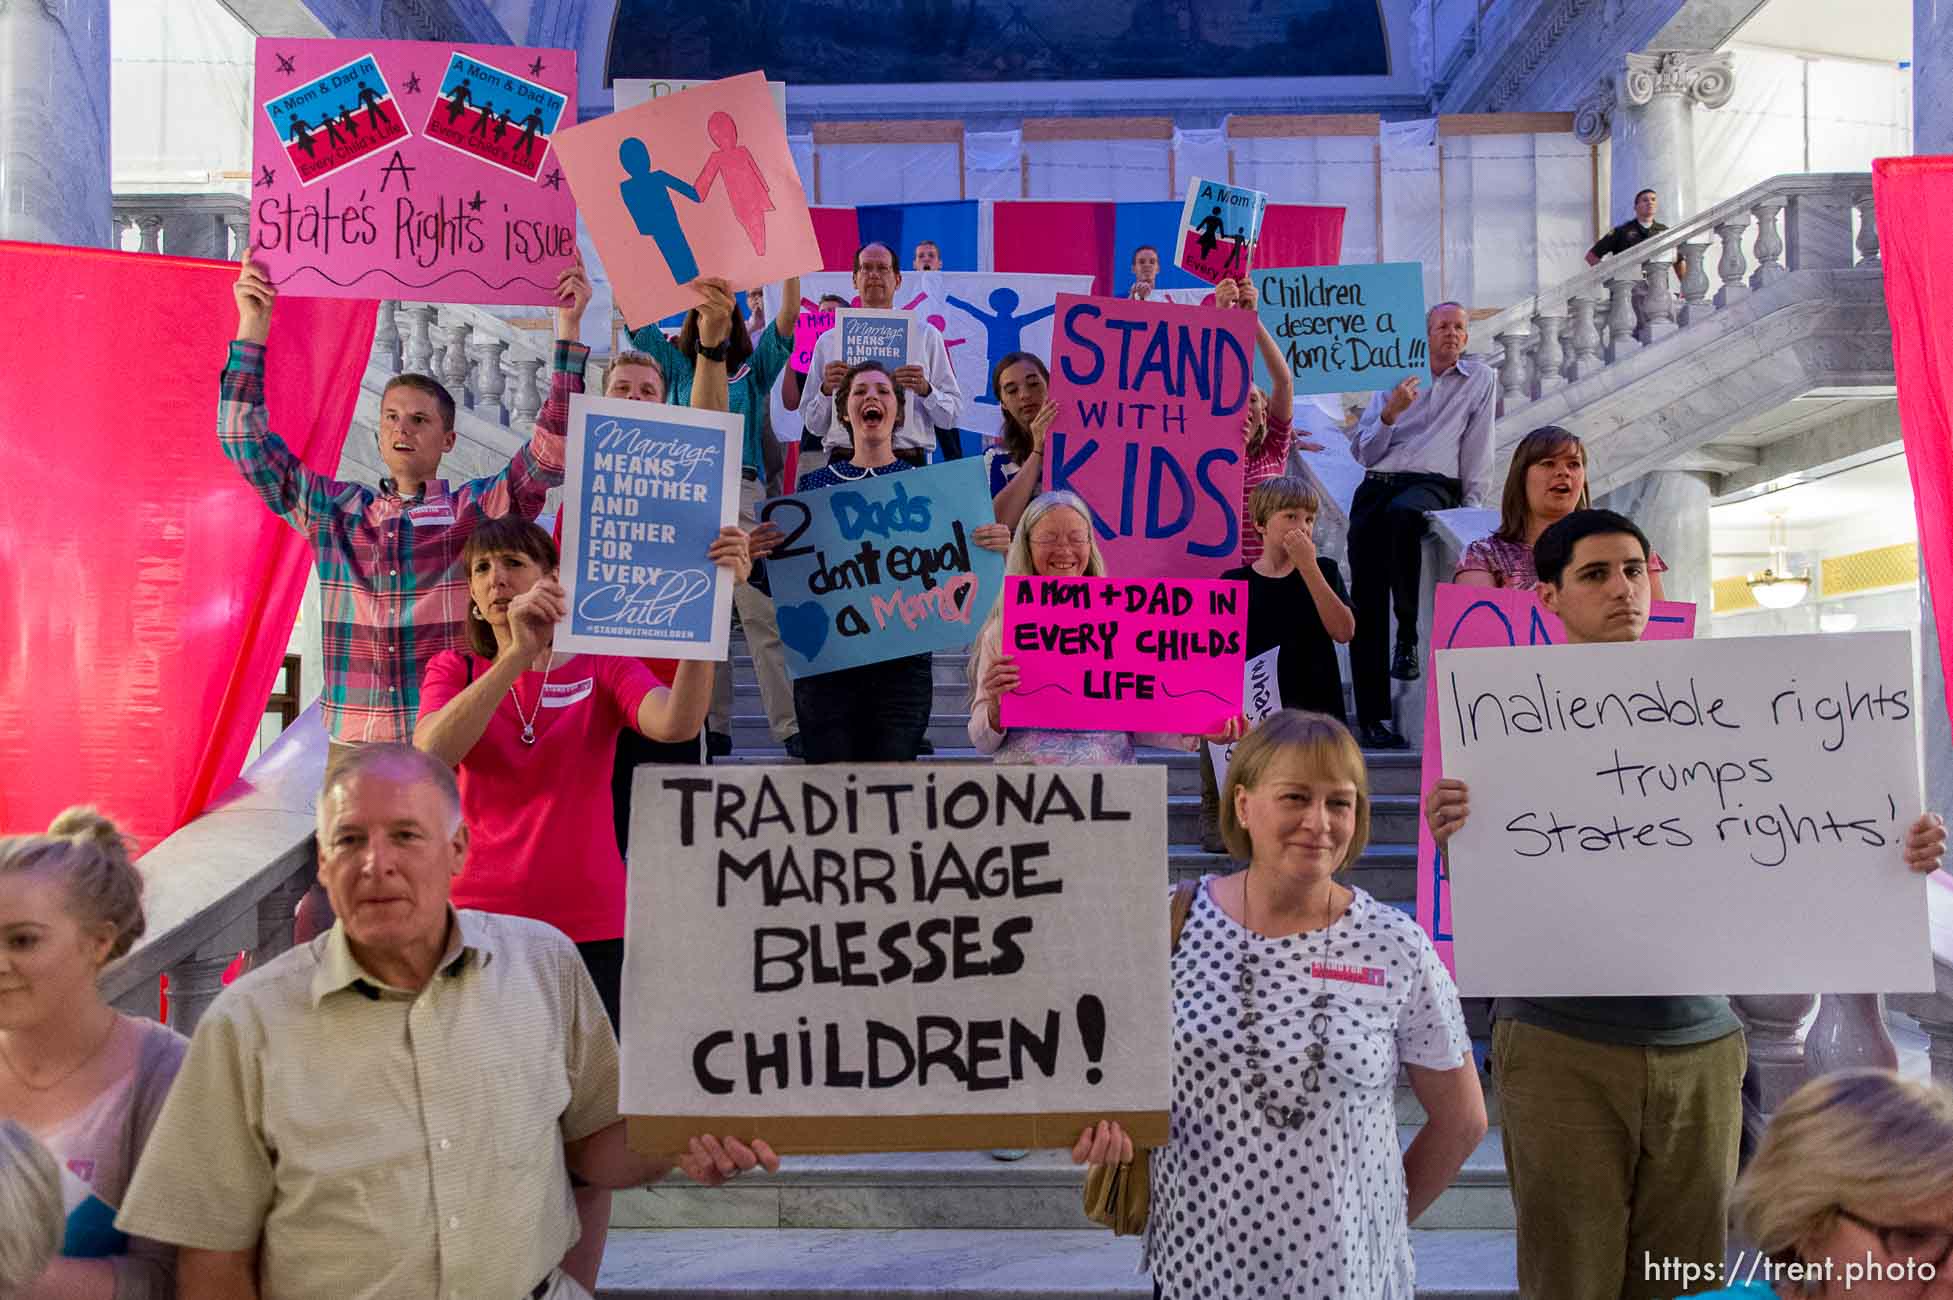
[
  {"x": 1261, "y": 696},
  {"x": 903, "y": 949},
  {"x": 1686, "y": 817}
]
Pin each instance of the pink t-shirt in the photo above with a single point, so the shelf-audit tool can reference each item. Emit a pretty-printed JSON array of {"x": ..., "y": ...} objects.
[
  {"x": 539, "y": 815},
  {"x": 1265, "y": 464}
]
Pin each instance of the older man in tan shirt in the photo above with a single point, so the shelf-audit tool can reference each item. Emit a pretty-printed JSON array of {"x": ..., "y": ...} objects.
[{"x": 396, "y": 1108}]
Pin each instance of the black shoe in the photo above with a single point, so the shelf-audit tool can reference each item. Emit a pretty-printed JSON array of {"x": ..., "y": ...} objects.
[
  {"x": 792, "y": 746},
  {"x": 1380, "y": 735},
  {"x": 717, "y": 744},
  {"x": 1403, "y": 664},
  {"x": 928, "y": 746}
]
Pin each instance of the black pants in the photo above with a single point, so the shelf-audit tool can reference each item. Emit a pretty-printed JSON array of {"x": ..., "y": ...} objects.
[
  {"x": 604, "y": 959},
  {"x": 951, "y": 442},
  {"x": 1386, "y": 555},
  {"x": 876, "y": 713},
  {"x": 633, "y": 749}
]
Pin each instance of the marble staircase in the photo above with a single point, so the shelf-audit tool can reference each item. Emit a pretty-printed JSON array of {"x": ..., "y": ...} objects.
[{"x": 965, "y": 1225}]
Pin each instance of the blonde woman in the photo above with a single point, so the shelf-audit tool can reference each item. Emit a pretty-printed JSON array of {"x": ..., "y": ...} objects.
[
  {"x": 1851, "y": 1194},
  {"x": 1053, "y": 540},
  {"x": 86, "y": 1081},
  {"x": 1295, "y": 999},
  {"x": 30, "y": 1208}
]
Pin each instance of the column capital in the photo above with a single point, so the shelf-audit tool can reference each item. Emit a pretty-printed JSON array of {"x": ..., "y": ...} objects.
[
  {"x": 1593, "y": 116},
  {"x": 1707, "y": 77}
]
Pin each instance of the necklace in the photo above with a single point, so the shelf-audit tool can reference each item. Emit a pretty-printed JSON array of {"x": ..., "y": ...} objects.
[
  {"x": 1278, "y": 1114},
  {"x": 529, "y": 723},
  {"x": 68, "y": 1073}
]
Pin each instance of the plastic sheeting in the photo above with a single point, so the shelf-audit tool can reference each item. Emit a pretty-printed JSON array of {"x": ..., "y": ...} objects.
[
  {"x": 1412, "y": 196},
  {"x": 1518, "y": 214},
  {"x": 888, "y": 173},
  {"x": 1101, "y": 169},
  {"x": 1333, "y": 170},
  {"x": 146, "y": 594}
]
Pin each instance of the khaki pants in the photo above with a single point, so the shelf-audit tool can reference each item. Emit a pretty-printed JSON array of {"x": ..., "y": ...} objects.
[
  {"x": 762, "y": 629},
  {"x": 1620, "y": 1157}
]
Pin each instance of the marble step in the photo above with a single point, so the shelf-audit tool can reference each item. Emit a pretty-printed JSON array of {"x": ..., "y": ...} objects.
[
  {"x": 1391, "y": 771},
  {"x": 967, "y": 1264},
  {"x": 966, "y": 1189}
]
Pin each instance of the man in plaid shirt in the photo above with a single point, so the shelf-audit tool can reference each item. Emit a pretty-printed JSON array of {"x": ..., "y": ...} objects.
[{"x": 389, "y": 559}]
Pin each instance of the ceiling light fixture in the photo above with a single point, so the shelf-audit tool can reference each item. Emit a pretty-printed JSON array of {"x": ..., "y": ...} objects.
[{"x": 1777, "y": 587}]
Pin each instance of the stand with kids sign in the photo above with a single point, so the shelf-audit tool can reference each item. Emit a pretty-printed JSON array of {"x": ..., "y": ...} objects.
[
  {"x": 411, "y": 169},
  {"x": 882, "y": 568},
  {"x": 646, "y": 489},
  {"x": 1152, "y": 397},
  {"x": 1105, "y": 654}
]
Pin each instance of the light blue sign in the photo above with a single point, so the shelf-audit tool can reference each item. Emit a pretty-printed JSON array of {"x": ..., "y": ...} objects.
[
  {"x": 869, "y": 335},
  {"x": 882, "y": 568},
  {"x": 1343, "y": 328},
  {"x": 646, "y": 489}
]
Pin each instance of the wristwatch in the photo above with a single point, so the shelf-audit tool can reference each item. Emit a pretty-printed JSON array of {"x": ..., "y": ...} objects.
[{"x": 715, "y": 351}]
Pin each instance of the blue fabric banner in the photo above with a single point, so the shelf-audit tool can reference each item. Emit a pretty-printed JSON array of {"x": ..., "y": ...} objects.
[
  {"x": 1157, "y": 224},
  {"x": 953, "y": 225},
  {"x": 882, "y": 568}
]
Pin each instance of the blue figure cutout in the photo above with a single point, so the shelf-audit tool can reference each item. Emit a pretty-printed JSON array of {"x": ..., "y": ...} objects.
[
  {"x": 1004, "y": 326},
  {"x": 647, "y": 197}
]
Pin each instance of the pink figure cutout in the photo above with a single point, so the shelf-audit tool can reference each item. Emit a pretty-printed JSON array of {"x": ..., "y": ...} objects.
[
  {"x": 910, "y": 304},
  {"x": 746, "y": 189}
]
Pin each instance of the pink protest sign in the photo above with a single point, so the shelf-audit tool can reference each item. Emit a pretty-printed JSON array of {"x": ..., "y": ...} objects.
[
  {"x": 1111, "y": 654},
  {"x": 411, "y": 169},
  {"x": 700, "y": 183},
  {"x": 1151, "y": 399},
  {"x": 807, "y": 329},
  {"x": 1465, "y": 618}
]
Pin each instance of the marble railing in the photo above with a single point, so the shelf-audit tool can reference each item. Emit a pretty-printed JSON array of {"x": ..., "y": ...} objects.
[
  {"x": 495, "y": 369},
  {"x": 1631, "y": 301},
  {"x": 214, "y": 225}
]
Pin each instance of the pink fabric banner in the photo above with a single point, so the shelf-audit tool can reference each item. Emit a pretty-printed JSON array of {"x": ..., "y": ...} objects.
[
  {"x": 1914, "y": 197},
  {"x": 1465, "y": 618},
  {"x": 146, "y": 594},
  {"x": 1041, "y": 237},
  {"x": 1298, "y": 234},
  {"x": 839, "y": 232},
  {"x": 1102, "y": 654}
]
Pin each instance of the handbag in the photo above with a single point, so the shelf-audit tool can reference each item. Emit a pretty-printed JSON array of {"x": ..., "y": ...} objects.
[{"x": 1120, "y": 1197}]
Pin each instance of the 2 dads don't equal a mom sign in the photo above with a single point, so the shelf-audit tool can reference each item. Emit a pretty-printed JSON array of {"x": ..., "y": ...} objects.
[
  {"x": 882, "y": 566},
  {"x": 646, "y": 489},
  {"x": 1112, "y": 654},
  {"x": 888, "y": 958},
  {"x": 412, "y": 170},
  {"x": 1152, "y": 397}
]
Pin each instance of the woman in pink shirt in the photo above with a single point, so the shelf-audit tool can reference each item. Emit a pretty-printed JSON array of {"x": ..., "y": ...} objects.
[{"x": 533, "y": 734}]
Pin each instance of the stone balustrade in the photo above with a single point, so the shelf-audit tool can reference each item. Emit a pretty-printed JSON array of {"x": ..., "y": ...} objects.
[
  {"x": 1634, "y": 300},
  {"x": 213, "y": 225},
  {"x": 493, "y": 368}
]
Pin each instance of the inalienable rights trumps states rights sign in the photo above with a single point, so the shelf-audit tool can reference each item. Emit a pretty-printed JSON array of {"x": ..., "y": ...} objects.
[{"x": 896, "y": 958}]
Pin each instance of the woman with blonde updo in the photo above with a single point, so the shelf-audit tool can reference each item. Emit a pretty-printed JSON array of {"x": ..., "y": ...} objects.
[
  {"x": 83, "y": 1079},
  {"x": 1851, "y": 1194}
]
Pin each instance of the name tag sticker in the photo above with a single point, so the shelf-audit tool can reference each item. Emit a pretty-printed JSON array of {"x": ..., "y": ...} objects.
[
  {"x": 434, "y": 514},
  {"x": 560, "y": 695},
  {"x": 1374, "y": 976}
]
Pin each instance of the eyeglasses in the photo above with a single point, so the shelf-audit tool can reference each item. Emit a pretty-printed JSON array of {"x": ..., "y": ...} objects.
[
  {"x": 1904, "y": 1242},
  {"x": 1076, "y": 541}
]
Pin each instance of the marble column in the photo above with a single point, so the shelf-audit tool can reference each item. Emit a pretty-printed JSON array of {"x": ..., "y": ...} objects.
[
  {"x": 54, "y": 122},
  {"x": 1672, "y": 508},
  {"x": 1648, "y": 112},
  {"x": 1932, "y": 133}
]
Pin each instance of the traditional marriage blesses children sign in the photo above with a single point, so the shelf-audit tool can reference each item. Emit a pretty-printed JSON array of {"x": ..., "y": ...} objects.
[
  {"x": 1219, "y": 227},
  {"x": 882, "y": 568},
  {"x": 1125, "y": 654},
  {"x": 698, "y": 183},
  {"x": 411, "y": 169},
  {"x": 896, "y": 958},
  {"x": 1471, "y": 617},
  {"x": 1346, "y": 327},
  {"x": 646, "y": 489},
  {"x": 1152, "y": 399},
  {"x": 1693, "y": 816}
]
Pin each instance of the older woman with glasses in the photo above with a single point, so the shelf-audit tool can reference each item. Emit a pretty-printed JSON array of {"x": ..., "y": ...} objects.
[
  {"x": 1295, "y": 999},
  {"x": 1851, "y": 1194}
]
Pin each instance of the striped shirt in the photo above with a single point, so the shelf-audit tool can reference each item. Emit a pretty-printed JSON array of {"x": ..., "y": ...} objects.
[
  {"x": 374, "y": 1143},
  {"x": 390, "y": 578},
  {"x": 1270, "y": 462}
]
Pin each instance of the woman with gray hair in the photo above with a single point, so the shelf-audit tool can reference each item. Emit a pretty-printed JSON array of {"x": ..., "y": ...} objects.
[
  {"x": 1851, "y": 1194},
  {"x": 30, "y": 1208},
  {"x": 83, "y": 1079}
]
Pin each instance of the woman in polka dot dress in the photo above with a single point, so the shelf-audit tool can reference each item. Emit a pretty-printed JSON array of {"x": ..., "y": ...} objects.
[{"x": 1294, "y": 1000}]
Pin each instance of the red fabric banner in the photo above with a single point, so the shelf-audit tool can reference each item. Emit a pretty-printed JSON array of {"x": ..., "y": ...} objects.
[
  {"x": 1047, "y": 237},
  {"x": 839, "y": 233},
  {"x": 1296, "y": 234},
  {"x": 146, "y": 594},
  {"x": 1914, "y": 198}
]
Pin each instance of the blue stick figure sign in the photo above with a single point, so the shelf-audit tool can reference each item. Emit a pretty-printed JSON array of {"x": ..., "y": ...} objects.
[{"x": 646, "y": 489}]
